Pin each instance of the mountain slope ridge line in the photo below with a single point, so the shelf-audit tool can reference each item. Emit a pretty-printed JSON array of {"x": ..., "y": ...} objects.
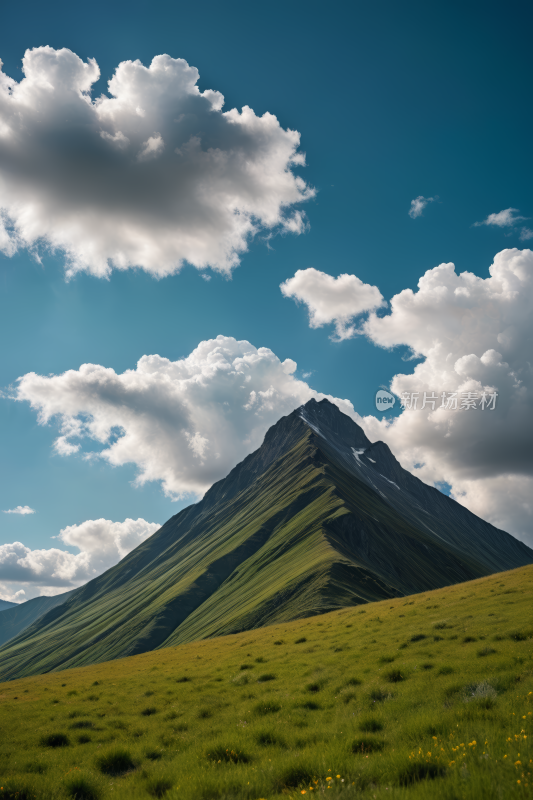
[{"x": 302, "y": 526}]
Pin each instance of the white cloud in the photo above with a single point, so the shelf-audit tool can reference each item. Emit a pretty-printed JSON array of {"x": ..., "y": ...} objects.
[
  {"x": 152, "y": 148},
  {"x": 101, "y": 544},
  {"x": 525, "y": 234},
  {"x": 418, "y": 205},
  {"x": 20, "y": 510},
  {"x": 152, "y": 175},
  {"x": 503, "y": 219},
  {"x": 7, "y": 593},
  {"x": 185, "y": 423},
  {"x": 107, "y": 542},
  {"x": 330, "y": 299},
  {"x": 474, "y": 334}
]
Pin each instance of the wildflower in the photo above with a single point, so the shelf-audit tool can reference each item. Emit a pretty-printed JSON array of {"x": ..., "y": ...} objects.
[
  {"x": 303, "y": 791},
  {"x": 329, "y": 778},
  {"x": 338, "y": 776},
  {"x": 516, "y": 763}
]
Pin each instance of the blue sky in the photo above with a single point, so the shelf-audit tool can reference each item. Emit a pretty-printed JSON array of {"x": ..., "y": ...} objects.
[{"x": 392, "y": 101}]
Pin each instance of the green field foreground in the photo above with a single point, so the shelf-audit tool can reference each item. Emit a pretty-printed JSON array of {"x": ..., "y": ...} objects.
[{"x": 427, "y": 696}]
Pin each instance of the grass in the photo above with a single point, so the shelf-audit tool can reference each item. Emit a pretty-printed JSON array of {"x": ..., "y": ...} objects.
[
  {"x": 370, "y": 725},
  {"x": 79, "y": 787},
  {"x": 332, "y": 718}
]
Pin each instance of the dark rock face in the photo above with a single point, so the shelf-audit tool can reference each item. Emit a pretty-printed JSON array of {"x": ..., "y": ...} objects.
[{"x": 316, "y": 519}]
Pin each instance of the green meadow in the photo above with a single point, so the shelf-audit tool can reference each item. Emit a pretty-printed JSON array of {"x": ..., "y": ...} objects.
[{"x": 427, "y": 696}]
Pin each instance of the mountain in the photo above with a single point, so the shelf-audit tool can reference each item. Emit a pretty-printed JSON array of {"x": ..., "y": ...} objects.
[
  {"x": 5, "y": 604},
  {"x": 16, "y": 618},
  {"x": 316, "y": 519}
]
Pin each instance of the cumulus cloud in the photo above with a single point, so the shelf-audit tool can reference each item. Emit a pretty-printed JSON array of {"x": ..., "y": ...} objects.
[
  {"x": 475, "y": 335},
  {"x": 152, "y": 175},
  {"x": 20, "y": 510},
  {"x": 185, "y": 423},
  {"x": 330, "y": 299},
  {"x": 7, "y": 593},
  {"x": 503, "y": 219},
  {"x": 101, "y": 544},
  {"x": 418, "y": 205}
]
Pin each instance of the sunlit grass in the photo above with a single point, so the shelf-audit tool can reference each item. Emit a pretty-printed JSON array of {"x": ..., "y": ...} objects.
[{"x": 429, "y": 696}]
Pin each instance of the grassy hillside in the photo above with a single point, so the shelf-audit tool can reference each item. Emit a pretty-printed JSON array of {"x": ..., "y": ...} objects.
[
  {"x": 15, "y": 619},
  {"x": 427, "y": 696}
]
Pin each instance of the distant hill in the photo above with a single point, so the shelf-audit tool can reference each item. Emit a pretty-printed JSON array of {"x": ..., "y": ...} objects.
[
  {"x": 317, "y": 519},
  {"x": 5, "y": 604},
  {"x": 17, "y": 618}
]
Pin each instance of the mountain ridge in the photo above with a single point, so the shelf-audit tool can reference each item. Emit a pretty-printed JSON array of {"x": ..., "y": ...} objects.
[
  {"x": 20, "y": 616},
  {"x": 307, "y": 523}
]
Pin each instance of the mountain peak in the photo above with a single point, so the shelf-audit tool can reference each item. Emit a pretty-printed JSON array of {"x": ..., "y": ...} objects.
[
  {"x": 328, "y": 421},
  {"x": 317, "y": 518}
]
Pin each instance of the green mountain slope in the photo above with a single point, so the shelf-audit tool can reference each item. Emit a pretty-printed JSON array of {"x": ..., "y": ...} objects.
[
  {"x": 17, "y": 618},
  {"x": 309, "y": 523}
]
